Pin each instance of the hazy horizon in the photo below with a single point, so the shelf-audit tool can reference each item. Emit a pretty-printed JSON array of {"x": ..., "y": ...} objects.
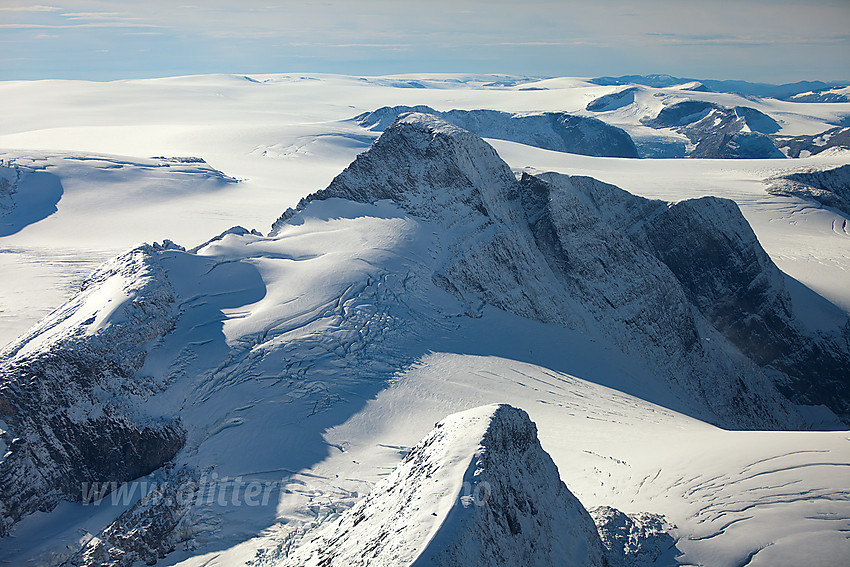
[{"x": 753, "y": 40}]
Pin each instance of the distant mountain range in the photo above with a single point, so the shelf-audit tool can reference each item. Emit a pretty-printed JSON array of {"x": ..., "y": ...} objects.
[{"x": 786, "y": 91}]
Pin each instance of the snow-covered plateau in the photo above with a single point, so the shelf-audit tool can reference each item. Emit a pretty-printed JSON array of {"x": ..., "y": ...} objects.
[{"x": 233, "y": 309}]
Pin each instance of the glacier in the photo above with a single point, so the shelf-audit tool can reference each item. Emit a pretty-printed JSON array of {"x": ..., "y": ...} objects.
[{"x": 427, "y": 278}]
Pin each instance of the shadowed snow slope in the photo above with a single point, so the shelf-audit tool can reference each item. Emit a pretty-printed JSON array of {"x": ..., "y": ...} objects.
[
  {"x": 26, "y": 196},
  {"x": 478, "y": 490}
]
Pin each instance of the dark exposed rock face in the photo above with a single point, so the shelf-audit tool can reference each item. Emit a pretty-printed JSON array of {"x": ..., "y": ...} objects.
[
  {"x": 636, "y": 540},
  {"x": 65, "y": 402},
  {"x": 804, "y": 146},
  {"x": 577, "y": 252},
  {"x": 714, "y": 254},
  {"x": 151, "y": 529},
  {"x": 681, "y": 114},
  {"x": 512, "y": 509},
  {"x": 719, "y": 131},
  {"x": 830, "y": 187},
  {"x": 557, "y": 131}
]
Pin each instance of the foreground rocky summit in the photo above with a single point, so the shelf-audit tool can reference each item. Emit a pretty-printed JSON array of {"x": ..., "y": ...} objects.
[{"x": 478, "y": 490}]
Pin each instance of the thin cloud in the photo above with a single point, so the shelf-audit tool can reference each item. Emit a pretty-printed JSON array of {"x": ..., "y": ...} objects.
[
  {"x": 725, "y": 40},
  {"x": 539, "y": 43},
  {"x": 94, "y": 15},
  {"x": 73, "y": 26},
  {"x": 313, "y": 44},
  {"x": 36, "y": 8}
]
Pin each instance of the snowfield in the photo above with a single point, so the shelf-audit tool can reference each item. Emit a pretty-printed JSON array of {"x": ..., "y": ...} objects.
[{"x": 309, "y": 354}]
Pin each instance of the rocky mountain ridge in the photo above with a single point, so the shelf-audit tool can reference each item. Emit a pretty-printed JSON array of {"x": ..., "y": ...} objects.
[
  {"x": 556, "y": 131},
  {"x": 574, "y": 240},
  {"x": 70, "y": 396},
  {"x": 720, "y": 132},
  {"x": 829, "y": 187},
  {"x": 479, "y": 489}
]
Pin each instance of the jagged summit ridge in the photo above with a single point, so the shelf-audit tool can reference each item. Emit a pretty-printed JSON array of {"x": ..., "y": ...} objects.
[
  {"x": 429, "y": 209},
  {"x": 547, "y": 248},
  {"x": 477, "y": 490},
  {"x": 422, "y": 163}
]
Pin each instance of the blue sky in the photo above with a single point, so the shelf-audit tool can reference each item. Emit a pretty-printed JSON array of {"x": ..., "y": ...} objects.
[{"x": 757, "y": 40}]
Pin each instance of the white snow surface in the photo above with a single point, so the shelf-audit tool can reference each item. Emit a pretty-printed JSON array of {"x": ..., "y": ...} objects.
[{"x": 273, "y": 387}]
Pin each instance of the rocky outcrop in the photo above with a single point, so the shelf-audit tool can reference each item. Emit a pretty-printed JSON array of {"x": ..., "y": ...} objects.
[
  {"x": 719, "y": 131},
  {"x": 148, "y": 531},
  {"x": 839, "y": 94},
  {"x": 69, "y": 393},
  {"x": 829, "y": 187},
  {"x": 788, "y": 91},
  {"x": 805, "y": 146},
  {"x": 633, "y": 540},
  {"x": 556, "y": 131},
  {"x": 726, "y": 274},
  {"x": 478, "y": 490}
]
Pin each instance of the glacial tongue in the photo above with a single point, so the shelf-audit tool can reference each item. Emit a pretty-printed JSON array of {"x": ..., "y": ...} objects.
[{"x": 478, "y": 490}]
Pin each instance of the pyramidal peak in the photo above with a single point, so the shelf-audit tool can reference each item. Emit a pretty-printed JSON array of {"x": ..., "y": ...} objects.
[
  {"x": 477, "y": 490},
  {"x": 423, "y": 164}
]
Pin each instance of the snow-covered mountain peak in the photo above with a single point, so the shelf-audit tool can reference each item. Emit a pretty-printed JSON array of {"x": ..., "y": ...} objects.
[
  {"x": 478, "y": 489},
  {"x": 423, "y": 163}
]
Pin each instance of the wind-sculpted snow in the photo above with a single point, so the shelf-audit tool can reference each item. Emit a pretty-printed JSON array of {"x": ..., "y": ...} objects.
[
  {"x": 70, "y": 397},
  {"x": 829, "y": 187},
  {"x": 26, "y": 196},
  {"x": 557, "y": 131},
  {"x": 478, "y": 490},
  {"x": 720, "y": 132}
]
